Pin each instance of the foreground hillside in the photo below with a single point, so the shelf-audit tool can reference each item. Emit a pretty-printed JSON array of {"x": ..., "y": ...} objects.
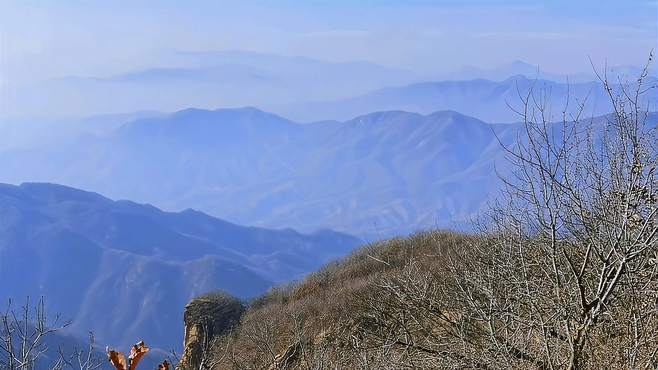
[
  {"x": 326, "y": 318},
  {"x": 417, "y": 302},
  {"x": 125, "y": 270}
]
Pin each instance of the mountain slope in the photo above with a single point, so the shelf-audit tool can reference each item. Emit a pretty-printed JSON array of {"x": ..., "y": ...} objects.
[{"x": 126, "y": 270}]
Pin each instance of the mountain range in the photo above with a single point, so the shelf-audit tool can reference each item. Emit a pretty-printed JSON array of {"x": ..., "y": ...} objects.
[
  {"x": 535, "y": 71},
  {"x": 126, "y": 270},
  {"x": 376, "y": 175},
  {"x": 300, "y": 88},
  {"x": 379, "y": 174},
  {"x": 491, "y": 101}
]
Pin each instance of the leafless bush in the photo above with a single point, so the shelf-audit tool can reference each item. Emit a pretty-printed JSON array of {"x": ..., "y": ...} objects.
[
  {"x": 575, "y": 236},
  {"x": 23, "y": 335},
  {"x": 81, "y": 359}
]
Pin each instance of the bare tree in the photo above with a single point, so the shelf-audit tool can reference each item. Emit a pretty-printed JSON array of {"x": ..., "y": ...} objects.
[
  {"x": 82, "y": 359},
  {"x": 574, "y": 275},
  {"x": 23, "y": 335}
]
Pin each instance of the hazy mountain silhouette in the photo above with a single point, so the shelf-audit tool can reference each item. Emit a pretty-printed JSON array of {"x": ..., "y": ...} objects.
[
  {"x": 534, "y": 71},
  {"x": 203, "y": 79},
  {"x": 491, "y": 101}
]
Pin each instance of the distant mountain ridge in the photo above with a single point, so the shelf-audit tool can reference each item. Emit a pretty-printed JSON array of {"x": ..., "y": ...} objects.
[
  {"x": 287, "y": 85},
  {"x": 535, "y": 71},
  {"x": 203, "y": 79},
  {"x": 376, "y": 175},
  {"x": 491, "y": 101},
  {"x": 126, "y": 270}
]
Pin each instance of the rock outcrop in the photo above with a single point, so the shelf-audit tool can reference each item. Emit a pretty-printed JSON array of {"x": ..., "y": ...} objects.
[{"x": 206, "y": 318}]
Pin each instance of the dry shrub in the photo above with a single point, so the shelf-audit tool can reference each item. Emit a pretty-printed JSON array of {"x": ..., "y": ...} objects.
[{"x": 320, "y": 322}]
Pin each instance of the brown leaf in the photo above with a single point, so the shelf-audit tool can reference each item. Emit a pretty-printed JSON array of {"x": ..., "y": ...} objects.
[
  {"x": 136, "y": 354},
  {"x": 117, "y": 359},
  {"x": 164, "y": 365}
]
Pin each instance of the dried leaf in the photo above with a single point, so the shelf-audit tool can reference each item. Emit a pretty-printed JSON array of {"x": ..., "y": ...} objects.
[
  {"x": 117, "y": 359},
  {"x": 136, "y": 354},
  {"x": 164, "y": 365}
]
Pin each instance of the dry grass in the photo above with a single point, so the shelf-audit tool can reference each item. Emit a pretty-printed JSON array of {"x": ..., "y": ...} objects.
[
  {"x": 311, "y": 324},
  {"x": 417, "y": 302}
]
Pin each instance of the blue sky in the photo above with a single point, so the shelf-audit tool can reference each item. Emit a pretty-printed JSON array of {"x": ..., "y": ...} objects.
[{"x": 48, "y": 38}]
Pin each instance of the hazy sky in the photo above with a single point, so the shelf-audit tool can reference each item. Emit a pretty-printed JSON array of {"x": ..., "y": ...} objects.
[{"x": 52, "y": 38}]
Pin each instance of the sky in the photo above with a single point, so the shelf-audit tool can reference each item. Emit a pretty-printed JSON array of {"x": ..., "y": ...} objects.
[{"x": 55, "y": 38}]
